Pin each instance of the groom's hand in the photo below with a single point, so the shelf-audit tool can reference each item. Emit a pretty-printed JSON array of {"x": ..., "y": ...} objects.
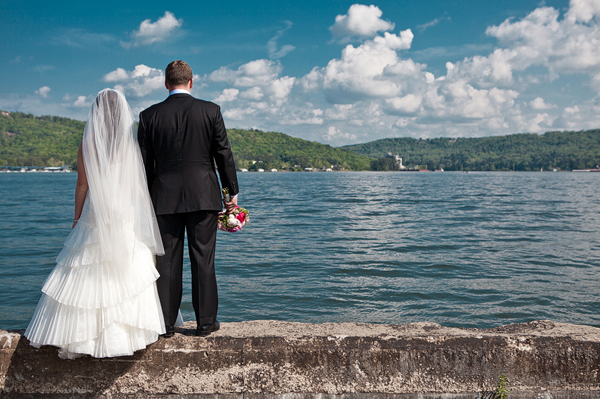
[{"x": 231, "y": 205}]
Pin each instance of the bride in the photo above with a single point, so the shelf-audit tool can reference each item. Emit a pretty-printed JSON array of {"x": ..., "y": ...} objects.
[{"x": 101, "y": 297}]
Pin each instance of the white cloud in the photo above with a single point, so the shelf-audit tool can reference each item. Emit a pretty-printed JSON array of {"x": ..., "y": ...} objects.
[
  {"x": 254, "y": 73},
  {"x": 153, "y": 32},
  {"x": 238, "y": 113},
  {"x": 539, "y": 104},
  {"x": 82, "y": 102},
  {"x": 255, "y": 93},
  {"x": 541, "y": 39},
  {"x": 540, "y": 122},
  {"x": 117, "y": 75},
  {"x": 360, "y": 20},
  {"x": 140, "y": 82},
  {"x": 227, "y": 95},
  {"x": 334, "y": 133},
  {"x": 403, "y": 122},
  {"x": 339, "y": 111},
  {"x": 430, "y": 24},
  {"x": 308, "y": 121},
  {"x": 282, "y": 87},
  {"x": 407, "y": 104},
  {"x": 572, "y": 110},
  {"x": 262, "y": 76},
  {"x": 43, "y": 91},
  {"x": 361, "y": 71},
  {"x": 583, "y": 10}
]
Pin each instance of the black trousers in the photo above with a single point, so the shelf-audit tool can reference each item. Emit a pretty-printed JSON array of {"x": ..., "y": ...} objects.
[{"x": 202, "y": 237}]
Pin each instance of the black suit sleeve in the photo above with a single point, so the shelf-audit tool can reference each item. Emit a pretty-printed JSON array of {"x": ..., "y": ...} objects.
[
  {"x": 221, "y": 152},
  {"x": 147, "y": 150}
]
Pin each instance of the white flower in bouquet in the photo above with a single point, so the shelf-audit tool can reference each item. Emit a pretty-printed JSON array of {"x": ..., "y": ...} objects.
[{"x": 233, "y": 222}]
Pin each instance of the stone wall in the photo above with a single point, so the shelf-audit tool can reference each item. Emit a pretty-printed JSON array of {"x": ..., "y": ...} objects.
[{"x": 270, "y": 359}]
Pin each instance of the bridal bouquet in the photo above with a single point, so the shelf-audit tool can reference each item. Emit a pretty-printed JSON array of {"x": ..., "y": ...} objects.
[{"x": 234, "y": 221}]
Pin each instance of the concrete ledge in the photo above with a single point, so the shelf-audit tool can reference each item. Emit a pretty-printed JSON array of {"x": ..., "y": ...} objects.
[{"x": 271, "y": 359}]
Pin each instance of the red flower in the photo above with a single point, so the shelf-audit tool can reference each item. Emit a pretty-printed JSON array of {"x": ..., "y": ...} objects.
[{"x": 241, "y": 216}]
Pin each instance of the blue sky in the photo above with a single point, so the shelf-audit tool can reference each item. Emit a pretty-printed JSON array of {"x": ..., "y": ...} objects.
[{"x": 337, "y": 72}]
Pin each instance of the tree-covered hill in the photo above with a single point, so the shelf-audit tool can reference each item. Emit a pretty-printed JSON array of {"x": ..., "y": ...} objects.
[
  {"x": 27, "y": 140},
  {"x": 561, "y": 150},
  {"x": 280, "y": 151}
]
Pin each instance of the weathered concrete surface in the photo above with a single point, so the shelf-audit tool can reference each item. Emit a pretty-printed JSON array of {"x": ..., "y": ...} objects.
[{"x": 270, "y": 359}]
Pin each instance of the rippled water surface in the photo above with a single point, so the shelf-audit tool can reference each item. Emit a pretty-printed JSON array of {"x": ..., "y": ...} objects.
[{"x": 459, "y": 249}]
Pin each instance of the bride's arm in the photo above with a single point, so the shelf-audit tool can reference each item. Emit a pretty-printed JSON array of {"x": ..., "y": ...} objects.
[{"x": 81, "y": 187}]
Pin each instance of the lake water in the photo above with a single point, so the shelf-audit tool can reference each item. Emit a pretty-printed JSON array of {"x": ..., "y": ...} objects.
[{"x": 459, "y": 249}]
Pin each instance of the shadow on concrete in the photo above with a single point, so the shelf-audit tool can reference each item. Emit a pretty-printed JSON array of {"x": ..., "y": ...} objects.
[{"x": 33, "y": 372}]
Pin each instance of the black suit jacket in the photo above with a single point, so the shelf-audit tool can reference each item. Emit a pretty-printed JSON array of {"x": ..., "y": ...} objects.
[{"x": 181, "y": 139}]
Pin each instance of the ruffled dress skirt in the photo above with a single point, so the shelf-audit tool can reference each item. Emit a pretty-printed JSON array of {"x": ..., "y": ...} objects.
[{"x": 98, "y": 303}]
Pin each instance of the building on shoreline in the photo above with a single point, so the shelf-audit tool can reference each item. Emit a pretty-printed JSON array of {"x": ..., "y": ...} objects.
[{"x": 35, "y": 169}]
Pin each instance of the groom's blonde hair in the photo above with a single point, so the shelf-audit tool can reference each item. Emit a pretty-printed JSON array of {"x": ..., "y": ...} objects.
[{"x": 178, "y": 73}]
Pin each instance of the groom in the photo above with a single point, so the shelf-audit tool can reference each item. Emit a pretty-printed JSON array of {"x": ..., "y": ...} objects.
[{"x": 181, "y": 139}]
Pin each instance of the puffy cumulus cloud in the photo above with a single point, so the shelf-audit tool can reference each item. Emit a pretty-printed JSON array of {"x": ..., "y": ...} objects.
[
  {"x": 304, "y": 116},
  {"x": 282, "y": 87},
  {"x": 464, "y": 100},
  {"x": 403, "y": 122},
  {"x": 583, "y": 116},
  {"x": 238, "y": 114},
  {"x": 335, "y": 134},
  {"x": 262, "y": 78},
  {"x": 43, "y": 91},
  {"x": 568, "y": 45},
  {"x": 540, "y": 104},
  {"x": 583, "y": 10},
  {"x": 493, "y": 70},
  {"x": 152, "y": 32},
  {"x": 339, "y": 111},
  {"x": 253, "y": 73},
  {"x": 361, "y": 71},
  {"x": 539, "y": 123},
  {"x": 117, "y": 75},
  {"x": 82, "y": 102},
  {"x": 140, "y": 82},
  {"x": 227, "y": 95},
  {"x": 254, "y": 93},
  {"x": 406, "y": 105},
  {"x": 360, "y": 20}
]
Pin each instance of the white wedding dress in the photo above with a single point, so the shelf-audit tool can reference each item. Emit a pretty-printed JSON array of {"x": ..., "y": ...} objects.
[{"x": 101, "y": 297}]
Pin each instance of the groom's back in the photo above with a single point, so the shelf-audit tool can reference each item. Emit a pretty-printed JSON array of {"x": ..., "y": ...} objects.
[{"x": 179, "y": 139}]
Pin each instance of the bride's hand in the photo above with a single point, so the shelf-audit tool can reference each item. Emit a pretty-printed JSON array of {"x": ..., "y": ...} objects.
[{"x": 231, "y": 205}]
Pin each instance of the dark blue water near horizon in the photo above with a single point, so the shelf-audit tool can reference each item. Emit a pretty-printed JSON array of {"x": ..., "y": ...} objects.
[{"x": 461, "y": 249}]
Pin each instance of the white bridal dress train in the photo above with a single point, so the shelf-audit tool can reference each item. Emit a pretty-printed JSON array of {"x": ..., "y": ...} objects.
[{"x": 101, "y": 297}]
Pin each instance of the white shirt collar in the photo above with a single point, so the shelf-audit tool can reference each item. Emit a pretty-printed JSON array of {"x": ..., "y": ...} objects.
[{"x": 179, "y": 91}]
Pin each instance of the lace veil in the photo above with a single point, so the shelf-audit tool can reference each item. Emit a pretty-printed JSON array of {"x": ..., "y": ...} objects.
[{"x": 118, "y": 201}]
